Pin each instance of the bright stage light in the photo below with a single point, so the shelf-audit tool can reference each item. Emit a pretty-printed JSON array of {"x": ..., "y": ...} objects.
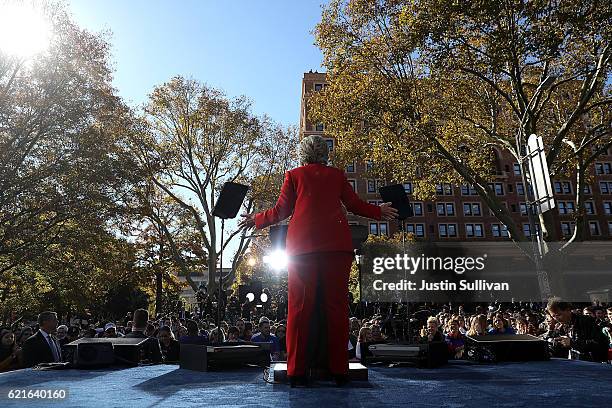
[
  {"x": 263, "y": 297},
  {"x": 250, "y": 296},
  {"x": 24, "y": 30},
  {"x": 277, "y": 260}
]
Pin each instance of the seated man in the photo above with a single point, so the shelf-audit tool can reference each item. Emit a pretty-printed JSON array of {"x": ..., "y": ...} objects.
[
  {"x": 264, "y": 336},
  {"x": 584, "y": 338}
]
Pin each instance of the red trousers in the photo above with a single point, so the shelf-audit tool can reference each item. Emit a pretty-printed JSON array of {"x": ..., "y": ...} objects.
[{"x": 318, "y": 280}]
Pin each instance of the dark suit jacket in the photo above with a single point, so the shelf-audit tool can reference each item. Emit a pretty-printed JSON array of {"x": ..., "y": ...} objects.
[
  {"x": 151, "y": 348},
  {"x": 36, "y": 350},
  {"x": 313, "y": 194}
]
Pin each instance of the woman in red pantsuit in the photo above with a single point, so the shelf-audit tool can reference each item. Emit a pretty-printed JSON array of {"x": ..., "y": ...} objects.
[{"x": 320, "y": 252}]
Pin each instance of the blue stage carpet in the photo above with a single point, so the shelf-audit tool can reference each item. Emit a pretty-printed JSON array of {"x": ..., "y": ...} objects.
[{"x": 556, "y": 383}]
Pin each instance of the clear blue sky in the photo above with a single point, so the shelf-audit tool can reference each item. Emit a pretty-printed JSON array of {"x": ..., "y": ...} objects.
[{"x": 258, "y": 48}]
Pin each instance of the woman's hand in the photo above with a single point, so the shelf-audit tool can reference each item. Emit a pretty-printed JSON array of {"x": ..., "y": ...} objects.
[
  {"x": 248, "y": 221},
  {"x": 387, "y": 212}
]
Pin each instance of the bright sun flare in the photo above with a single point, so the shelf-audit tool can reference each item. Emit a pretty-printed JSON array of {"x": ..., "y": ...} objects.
[{"x": 24, "y": 30}]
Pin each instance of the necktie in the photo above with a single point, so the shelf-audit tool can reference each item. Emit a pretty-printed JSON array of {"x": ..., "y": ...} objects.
[{"x": 54, "y": 351}]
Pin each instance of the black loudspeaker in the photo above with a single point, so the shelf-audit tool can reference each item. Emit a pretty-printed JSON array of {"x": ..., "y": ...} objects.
[
  {"x": 430, "y": 355},
  {"x": 517, "y": 347},
  {"x": 229, "y": 201},
  {"x": 99, "y": 354},
  {"x": 96, "y": 351},
  {"x": 396, "y": 195},
  {"x": 224, "y": 355}
]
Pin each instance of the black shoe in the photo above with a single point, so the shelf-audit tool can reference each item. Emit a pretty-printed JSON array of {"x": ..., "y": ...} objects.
[
  {"x": 341, "y": 379},
  {"x": 298, "y": 381}
]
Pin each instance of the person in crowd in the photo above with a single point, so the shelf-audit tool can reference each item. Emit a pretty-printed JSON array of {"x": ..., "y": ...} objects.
[
  {"x": 170, "y": 347},
  {"x": 62, "y": 332},
  {"x": 264, "y": 336},
  {"x": 240, "y": 326},
  {"x": 233, "y": 335},
  {"x": 281, "y": 331},
  {"x": 588, "y": 311},
  {"x": 110, "y": 331},
  {"x": 248, "y": 331},
  {"x": 500, "y": 326},
  {"x": 43, "y": 347},
  {"x": 584, "y": 338},
  {"x": 365, "y": 337},
  {"x": 193, "y": 334},
  {"x": 217, "y": 335},
  {"x": 72, "y": 334},
  {"x": 455, "y": 340},
  {"x": 461, "y": 319},
  {"x": 9, "y": 350},
  {"x": 151, "y": 348},
  {"x": 90, "y": 333},
  {"x": 23, "y": 335},
  {"x": 431, "y": 333},
  {"x": 150, "y": 330}
]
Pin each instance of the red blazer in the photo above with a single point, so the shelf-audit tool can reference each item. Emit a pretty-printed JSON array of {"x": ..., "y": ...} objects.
[{"x": 313, "y": 194}]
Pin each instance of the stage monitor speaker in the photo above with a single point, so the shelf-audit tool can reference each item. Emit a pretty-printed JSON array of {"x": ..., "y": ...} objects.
[
  {"x": 428, "y": 355},
  {"x": 126, "y": 350},
  {"x": 517, "y": 347},
  {"x": 223, "y": 355},
  {"x": 89, "y": 355},
  {"x": 396, "y": 195},
  {"x": 229, "y": 201}
]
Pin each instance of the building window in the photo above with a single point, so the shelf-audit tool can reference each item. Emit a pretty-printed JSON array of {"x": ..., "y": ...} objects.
[
  {"x": 594, "y": 228},
  {"x": 468, "y": 189},
  {"x": 444, "y": 189},
  {"x": 603, "y": 168},
  {"x": 589, "y": 206},
  {"x": 605, "y": 187},
  {"x": 609, "y": 227},
  {"x": 526, "y": 230},
  {"x": 318, "y": 87},
  {"x": 563, "y": 187},
  {"x": 447, "y": 230},
  {"x": 523, "y": 207},
  {"x": 499, "y": 230},
  {"x": 446, "y": 209},
  {"x": 374, "y": 228},
  {"x": 417, "y": 209},
  {"x": 567, "y": 228},
  {"x": 565, "y": 207},
  {"x": 353, "y": 184},
  {"x": 319, "y": 127},
  {"x": 371, "y": 186},
  {"x": 417, "y": 229},
  {"x": 498, "y": 188},
  {"x": 369, "y": 165},
  {"x": 474, "y": 230},
  {"x": 408, "y": 188},
  {"x": 517, "y": 169},
  {"x": 384, "y": 228},
  {"x": 607, "y": 207},
  {"x": 350, "y": 168},
  {"x": 471, "y": 209},
  {"x": 587, "y": 189},
  {"x": 520, "y": 189}
]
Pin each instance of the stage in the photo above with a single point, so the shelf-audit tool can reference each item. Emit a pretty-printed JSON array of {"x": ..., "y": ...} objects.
[{"x": 555, "y": 383}]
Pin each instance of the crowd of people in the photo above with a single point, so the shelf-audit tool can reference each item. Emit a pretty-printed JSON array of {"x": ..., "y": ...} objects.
[{"x": 583, "y": 333}]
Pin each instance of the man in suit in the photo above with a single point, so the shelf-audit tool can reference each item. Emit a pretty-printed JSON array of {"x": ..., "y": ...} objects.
[
  {"x": 151, "y": 349},
  {"x": 43, "y": 346},
  {"x": 321, "y": 253}
]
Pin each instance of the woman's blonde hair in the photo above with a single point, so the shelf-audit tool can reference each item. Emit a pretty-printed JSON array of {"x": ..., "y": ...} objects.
[{"x": 314, "y": 149}]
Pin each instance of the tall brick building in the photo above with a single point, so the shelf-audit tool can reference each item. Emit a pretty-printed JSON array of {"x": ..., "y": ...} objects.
[{"x": 458, "y": 213}]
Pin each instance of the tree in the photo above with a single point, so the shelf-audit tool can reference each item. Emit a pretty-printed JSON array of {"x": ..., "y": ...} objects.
[
  {"x": 195, "y": 139},
  {"x": 433, "y": 90},
  {"x": 61, "y": 152}
]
